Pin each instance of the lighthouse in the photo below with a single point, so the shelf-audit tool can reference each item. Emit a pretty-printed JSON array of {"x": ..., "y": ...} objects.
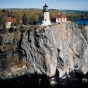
[{"x": 46, "y": 16}]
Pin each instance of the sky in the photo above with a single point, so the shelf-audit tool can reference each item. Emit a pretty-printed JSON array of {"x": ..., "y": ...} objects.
[{"x": 53, "y": 4}]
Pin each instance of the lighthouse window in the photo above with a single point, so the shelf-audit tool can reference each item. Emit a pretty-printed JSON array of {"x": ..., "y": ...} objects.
[{"x": 45, "y": 19}]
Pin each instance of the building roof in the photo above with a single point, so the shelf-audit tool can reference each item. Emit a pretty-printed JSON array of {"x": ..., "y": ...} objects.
[
  {"x": 45, "y": 5},
  {"x": 10, "y": 19},
  {"x": 59, "y": 16}
]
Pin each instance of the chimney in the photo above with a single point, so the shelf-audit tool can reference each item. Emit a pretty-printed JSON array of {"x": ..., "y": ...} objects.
[{"x": 59, "y": 13}]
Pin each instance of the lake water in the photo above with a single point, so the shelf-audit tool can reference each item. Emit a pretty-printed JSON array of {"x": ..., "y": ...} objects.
[{"x": 82, "y": 21}]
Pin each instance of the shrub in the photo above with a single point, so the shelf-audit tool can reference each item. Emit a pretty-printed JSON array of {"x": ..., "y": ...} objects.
[
  {"x": 1, "y": 40},
  {"x": 12, "y": 29}
]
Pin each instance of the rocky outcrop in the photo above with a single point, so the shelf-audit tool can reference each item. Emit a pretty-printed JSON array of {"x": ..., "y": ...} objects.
[
  {"x": 86, "y": 33},
  {"x": 61, "y": 46},
  {"x": 9, "y": 38}
]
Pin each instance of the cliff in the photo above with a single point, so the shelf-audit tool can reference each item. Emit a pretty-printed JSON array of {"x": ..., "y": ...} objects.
[{"x": 60, "y": 48}]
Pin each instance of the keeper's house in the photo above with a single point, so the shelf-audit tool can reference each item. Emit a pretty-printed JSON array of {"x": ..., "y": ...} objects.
[{"x": 59, "y": 18}]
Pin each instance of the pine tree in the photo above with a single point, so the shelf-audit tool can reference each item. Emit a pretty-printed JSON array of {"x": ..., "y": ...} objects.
[{"x": 24, "y": 19}]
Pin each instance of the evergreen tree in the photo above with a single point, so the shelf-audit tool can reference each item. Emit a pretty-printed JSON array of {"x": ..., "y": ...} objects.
[
  {"x": 3, "y": 10},
  {"x": 9, "y": 14},
  {"x": 24, "y": 19}
]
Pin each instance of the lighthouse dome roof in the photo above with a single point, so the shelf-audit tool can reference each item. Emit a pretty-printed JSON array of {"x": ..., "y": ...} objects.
[{"x": 45, "y": 5}]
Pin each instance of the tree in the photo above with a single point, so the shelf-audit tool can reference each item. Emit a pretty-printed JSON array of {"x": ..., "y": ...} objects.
[
  {"x": 3, "y": 10},
  {"x": 9, "y": 14},
  {"x": 24, "y": 19},
  {"x": 4, "y": 28},
  {"x": 17, "y": 21},
  {"x": 12, "y": 30},
  {"x": 3, "y": 16},
  {"x": 1, "y": 40}
]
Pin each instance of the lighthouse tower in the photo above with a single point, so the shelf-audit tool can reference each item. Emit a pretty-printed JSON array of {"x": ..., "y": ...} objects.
[{"x": 46, "y": 16}]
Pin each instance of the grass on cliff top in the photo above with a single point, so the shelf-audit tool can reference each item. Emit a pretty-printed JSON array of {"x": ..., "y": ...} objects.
[{"x": 33, "y": 28}]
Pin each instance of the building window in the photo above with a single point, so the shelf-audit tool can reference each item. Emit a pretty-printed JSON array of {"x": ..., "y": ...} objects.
[{"x": 45, "y": 19}]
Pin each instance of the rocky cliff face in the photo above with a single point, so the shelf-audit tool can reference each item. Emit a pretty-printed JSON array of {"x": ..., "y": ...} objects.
[
  {"x": 59, "y": 48},
  {"x": 62, "y": 47}
]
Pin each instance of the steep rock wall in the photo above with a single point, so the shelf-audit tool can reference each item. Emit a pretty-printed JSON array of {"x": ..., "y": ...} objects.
[{"x": 61, "y": 46}]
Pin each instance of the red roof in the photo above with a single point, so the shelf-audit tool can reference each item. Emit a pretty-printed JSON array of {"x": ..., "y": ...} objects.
[
  {"x": 10, "y": 19},
  {"x": 59, "y": 16}
]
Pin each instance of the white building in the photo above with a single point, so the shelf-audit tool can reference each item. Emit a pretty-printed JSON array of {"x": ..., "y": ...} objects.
[
  {"x": 46, "y": 16},
  {"x": 9, "y": 22},
  {"x": 59, "y": 18}
]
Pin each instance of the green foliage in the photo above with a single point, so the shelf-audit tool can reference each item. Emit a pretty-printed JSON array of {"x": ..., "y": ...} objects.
[
  {"x": 3, "y": 16},
  {"x": 9, "y": 14},
  {"x": 72, "y": 16},
  {"x": 3, "y": 10},
  {"x": 31, "y": 15}
]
